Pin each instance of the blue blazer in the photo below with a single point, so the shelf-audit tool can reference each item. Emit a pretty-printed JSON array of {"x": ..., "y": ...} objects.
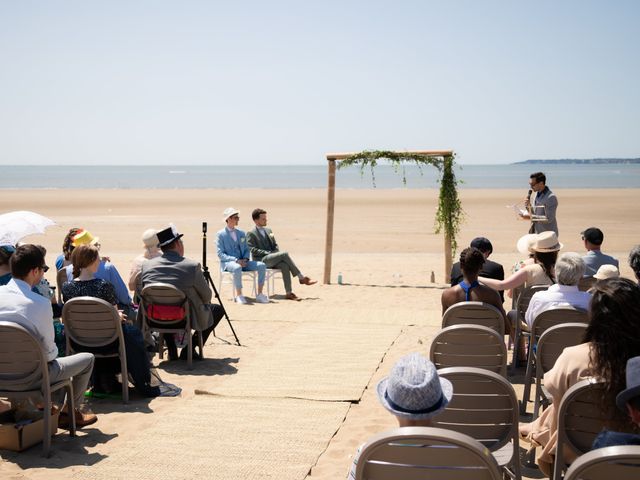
[{"x": 230, "y": 251}]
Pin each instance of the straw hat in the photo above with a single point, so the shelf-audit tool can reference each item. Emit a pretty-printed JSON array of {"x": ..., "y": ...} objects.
[
  {"x": 545, "y": 242},
  {"x": 525, "y": 242},
  {"x": 607, "y": 271},
  {"x": 84, "y": 238},
  {"x": 633, "y": 384},
  {"x": 229, "y": 212},
  {"x": 413, "y": 389},
  {"x": 150, "y": 238}
]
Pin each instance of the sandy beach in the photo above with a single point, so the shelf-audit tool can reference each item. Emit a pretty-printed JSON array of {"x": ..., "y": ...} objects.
[{"x": 298, "y": 397}]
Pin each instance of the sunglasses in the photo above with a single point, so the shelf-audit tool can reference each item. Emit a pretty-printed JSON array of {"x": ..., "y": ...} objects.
[{"x": 45, "y": 268}]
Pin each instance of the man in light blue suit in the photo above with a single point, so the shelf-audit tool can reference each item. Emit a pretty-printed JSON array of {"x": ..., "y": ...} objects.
[{"x": 234, "y": 256}]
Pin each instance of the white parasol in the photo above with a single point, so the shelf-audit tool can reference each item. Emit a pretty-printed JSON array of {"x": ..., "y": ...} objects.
[{"x": 14, "y": 226}]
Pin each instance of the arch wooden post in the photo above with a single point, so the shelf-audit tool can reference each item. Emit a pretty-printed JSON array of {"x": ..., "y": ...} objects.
[{"x": 328, "y": 244}]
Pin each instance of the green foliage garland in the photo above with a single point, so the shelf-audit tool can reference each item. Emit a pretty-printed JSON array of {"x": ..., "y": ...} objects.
[{"x": 449, "y": 215}]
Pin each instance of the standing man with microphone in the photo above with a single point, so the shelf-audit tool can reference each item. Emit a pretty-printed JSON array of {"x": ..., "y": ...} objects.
[{"x": 542, "y": 207}]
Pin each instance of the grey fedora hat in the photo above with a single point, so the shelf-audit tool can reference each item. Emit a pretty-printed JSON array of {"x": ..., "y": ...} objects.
[
  {"x": 633, "y": 384},
  {"x": 413, "y": 389}
]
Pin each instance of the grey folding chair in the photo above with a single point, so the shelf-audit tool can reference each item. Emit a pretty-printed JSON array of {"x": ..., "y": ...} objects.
[
  {"x": 469, "y": 346},
  {"x": 484, "y": 406},
  {"x": 413, "y": 453},
  {"x": 581, "y": 416},
  {"x": 94, "y": 325},
  {"x": 476, "y": 313},
  {"x": 543, "y": 321},
  {"x": 521, "y": 308},
  {"x": 619, "y": 463},
  {"x": 550, "y": 345},
  {"x": 61, "y": 278},
  {"x": 22, "y": 365},
  {"x": 165, "y": 294}
]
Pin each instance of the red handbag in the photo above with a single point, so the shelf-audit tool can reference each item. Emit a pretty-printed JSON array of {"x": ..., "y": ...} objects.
[{"x": 165, "y": 312}]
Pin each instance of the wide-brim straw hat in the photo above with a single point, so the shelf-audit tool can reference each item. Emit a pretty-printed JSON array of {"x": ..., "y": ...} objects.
[
  {"x": 413, "y": 389},
  {"x": 633, "y": 384},
  {"x": 606, "y": 271},
  {"x": 546, "y": 242},
  {"x": 84, "y": 238},
  {"x": 524, "y": 243}
]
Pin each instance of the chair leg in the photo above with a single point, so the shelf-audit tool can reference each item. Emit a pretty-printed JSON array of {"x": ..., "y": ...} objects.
[
  {"x": 190, "y": 349},
  {"x": 527, "y": 379},
  {"x": 72, "y": 408},
  {"x": 46, "y": 439},
  {"x": 124, "y": 372}
]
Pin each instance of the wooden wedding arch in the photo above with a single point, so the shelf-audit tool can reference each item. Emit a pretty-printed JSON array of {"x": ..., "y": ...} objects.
[{"x": 449, "y": 214}]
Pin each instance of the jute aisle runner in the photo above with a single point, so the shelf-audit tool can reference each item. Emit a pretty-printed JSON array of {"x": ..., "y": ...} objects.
[
  {"x": 317, "y": 361},
  {"x": 212, "y": 437}
]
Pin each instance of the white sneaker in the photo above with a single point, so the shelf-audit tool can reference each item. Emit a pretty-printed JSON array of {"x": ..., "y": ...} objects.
[
  {"x": 241, "y": 300},
  {"x": 262, "y": 298}
]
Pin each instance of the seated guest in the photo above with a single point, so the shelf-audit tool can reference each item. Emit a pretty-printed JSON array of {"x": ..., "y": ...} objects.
[
  {"x": 106, "y": 271},
  {"x": 607, "y": 271},
  {"x": 628, "y": 401},
  {"x": 233, "y": 253},
  {"x": 86, "y": 260},
  {"x": 469, "y": 289},
  {"x": 489, "y": 269},
  {"x": 64, "y": 258},
  {"x": 594, "y": 258},
  {"x": 413, "y": 393},
  {"x": 634, "y": 261},
  {"x": 151, "y": 250},
  {"x": 5, "y": 269},
  {"x": 610, "y": 340},
  {"x": 20, "y": 305},
  {"x": 186, "y": 275},
  {"x": 569, "y": 271}
]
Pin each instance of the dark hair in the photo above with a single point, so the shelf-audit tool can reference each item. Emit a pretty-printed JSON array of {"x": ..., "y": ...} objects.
[
  {"x": 25, "y": 259},
  {"x": 5, "y": 255},
  {"x": 614, "y": 323},
  {"x": 471, "y": 260},
  {"x": 67, "y": 246},
  {"x": 257, "y": 212},
  {"x": 634, "y": 260},
  {"x": 82, "y": 257},
  {"x": 169, "y": 246},
  {"x": 547, "y": 260},
  {"x": 539, "y": 177}
]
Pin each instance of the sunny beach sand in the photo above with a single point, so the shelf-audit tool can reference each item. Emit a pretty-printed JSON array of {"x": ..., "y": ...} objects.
[{"x": 384, "y": 246}]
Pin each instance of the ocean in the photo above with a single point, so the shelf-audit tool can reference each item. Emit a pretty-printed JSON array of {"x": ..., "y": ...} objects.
[{"x": 309, "y": 176}]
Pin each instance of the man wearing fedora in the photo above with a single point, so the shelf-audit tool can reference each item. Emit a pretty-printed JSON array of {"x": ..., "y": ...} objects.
[
  {"x": 264, "y": 248},
  {"x": 542, "y": 205},
  {"x": 569, "y": 270},
  {"x": 233, "y": 253},
  {"x": 594, "y": 258},
  {"x": 413, "y": 392},
  {"x": 186, "y": 275},
  {"x": 628, "y": 401}
]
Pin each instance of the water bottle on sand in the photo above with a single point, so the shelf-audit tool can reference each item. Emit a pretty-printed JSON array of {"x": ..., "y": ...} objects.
[{"x": 339, "y": 278}]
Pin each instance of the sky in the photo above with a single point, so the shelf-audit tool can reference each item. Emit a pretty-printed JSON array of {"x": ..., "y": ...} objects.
[{"x": 286, "y": 82}]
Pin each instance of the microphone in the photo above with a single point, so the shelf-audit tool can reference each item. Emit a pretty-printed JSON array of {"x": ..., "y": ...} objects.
[{"x": 528, "y": 201}]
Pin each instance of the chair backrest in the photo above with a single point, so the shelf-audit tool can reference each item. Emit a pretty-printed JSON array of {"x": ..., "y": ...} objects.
[
  {"x": 553, "y": 341},
  {"x": 484, "y": 406},
  {"x": 586, "y": 283},
  {"x": 413, "y": 453},
  {"x": 476, "y": 313},
  {"x": 525, "y": 297},
  {"x": 557, "y": 316},
  {"x": 91, "y": 322},
  {"x": 61, "y": 278},
  {"x": 581, "y": 416},
  {"x": 619, "y": 463},
  {"x": 469, "y": 346},
  {"x": 22, "y": 359},
  {"x": 163, "y": 294}
]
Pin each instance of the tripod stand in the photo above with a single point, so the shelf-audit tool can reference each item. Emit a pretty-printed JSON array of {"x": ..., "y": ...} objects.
[{"x": 207, "y": 276}]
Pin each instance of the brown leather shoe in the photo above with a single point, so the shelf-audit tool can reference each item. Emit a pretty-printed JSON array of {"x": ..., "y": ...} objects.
[
  {"x": 87, "y": 417},
  {"x": 291, "y": 296},
  {"x": 307, "y": 281}
]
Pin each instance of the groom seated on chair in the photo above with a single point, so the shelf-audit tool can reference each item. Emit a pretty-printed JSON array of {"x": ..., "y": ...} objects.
[
  {"x": 186, "y": 275},
  {"x": 264, "y": 247}
]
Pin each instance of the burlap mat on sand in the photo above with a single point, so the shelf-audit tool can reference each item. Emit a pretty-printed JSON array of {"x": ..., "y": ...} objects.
[
  {"x": 316, "y": 361},
  {"x": 226, "y": 438}
]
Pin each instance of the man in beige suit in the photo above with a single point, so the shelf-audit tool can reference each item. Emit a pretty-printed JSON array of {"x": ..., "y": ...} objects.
[{"x": 264, "y": 248}]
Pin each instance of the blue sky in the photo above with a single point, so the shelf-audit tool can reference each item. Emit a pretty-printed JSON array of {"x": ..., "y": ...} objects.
[{"x": 219, "y": 82}]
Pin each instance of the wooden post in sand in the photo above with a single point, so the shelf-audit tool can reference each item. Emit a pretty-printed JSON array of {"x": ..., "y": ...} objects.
[
  {"x": 447, "y": 257},
  {"x": 331, "y": 198}
]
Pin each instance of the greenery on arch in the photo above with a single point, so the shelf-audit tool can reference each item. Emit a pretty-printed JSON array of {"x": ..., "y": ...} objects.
[{"x": 449, "y": 215}]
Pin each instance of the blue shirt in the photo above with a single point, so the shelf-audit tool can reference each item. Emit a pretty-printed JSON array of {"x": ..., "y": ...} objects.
[{"x": 108, "y": 271}]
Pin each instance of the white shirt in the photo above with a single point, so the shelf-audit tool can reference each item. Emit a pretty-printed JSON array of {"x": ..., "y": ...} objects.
[
  {"x": 556, "y": 296},
  {"x": 18, "y": 304}
]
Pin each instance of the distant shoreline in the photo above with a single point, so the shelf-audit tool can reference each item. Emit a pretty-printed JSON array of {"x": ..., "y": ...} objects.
[{"x": 584, "y": 161}]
